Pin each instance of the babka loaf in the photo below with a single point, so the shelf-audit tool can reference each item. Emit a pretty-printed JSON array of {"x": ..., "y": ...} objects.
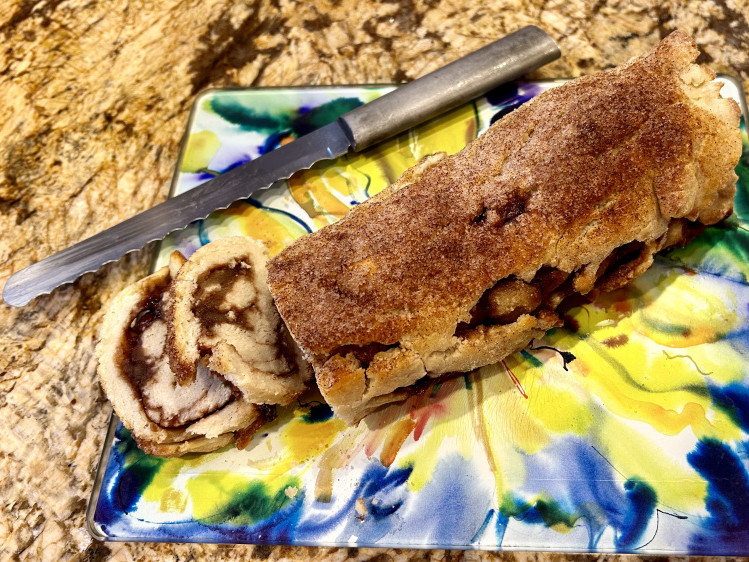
[{"x": 466, "y": 258}]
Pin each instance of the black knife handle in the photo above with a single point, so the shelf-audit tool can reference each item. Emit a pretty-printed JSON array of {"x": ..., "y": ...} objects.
[{"x": 459, "y": 82}]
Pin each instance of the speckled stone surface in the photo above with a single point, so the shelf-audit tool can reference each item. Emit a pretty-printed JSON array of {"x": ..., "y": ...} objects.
[{"x": 95, "y": 97}]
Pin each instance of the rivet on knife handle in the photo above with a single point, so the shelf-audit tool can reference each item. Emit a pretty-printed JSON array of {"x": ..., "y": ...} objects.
[
  {"x": 450, "y": 86},
  {"x": 409, "y": 105}
]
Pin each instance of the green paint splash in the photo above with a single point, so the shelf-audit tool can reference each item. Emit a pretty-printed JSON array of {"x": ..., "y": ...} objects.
[
  {"x": 224, "y": 497},
  {"x": 548, "y": 510},
  {"x": 234, "y": 110},
  {"x": 323, "y": 115}
]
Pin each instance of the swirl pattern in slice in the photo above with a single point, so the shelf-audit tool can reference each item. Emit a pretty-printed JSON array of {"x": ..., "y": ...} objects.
[
  {"x": 164, "y": 417},
  {"x": 221, "y": 316}
]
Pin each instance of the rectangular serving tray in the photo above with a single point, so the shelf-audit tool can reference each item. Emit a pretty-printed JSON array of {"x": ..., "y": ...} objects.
[{"x": 625, "y": 431}]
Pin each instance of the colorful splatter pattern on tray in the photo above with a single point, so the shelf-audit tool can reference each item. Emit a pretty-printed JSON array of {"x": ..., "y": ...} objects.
[{"x": 627, "y": 430}]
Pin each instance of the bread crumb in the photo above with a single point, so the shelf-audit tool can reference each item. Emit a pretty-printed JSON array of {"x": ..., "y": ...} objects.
[{"x": 361, "y": 507}]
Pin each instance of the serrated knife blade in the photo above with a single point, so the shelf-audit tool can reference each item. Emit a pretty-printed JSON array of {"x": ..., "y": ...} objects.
[{"x": 411, "y": 104}]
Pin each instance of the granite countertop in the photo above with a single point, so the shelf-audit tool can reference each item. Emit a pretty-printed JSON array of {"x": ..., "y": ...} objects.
[{"x": 96, "y": 97}]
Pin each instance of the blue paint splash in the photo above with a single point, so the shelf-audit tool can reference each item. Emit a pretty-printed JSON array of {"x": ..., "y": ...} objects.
[
  {"x": 274, "y": 141},
  {"x": 451, "y": 507},
  {"x": 383, "y": 492},
  {"x": 318, "y": 412},
  {"x": 726, "y": 531},
  {"x": 500, "y": 526},
  {"x": 508, "y": 98},
  {"x": 503, "y": 94},
  {"x": 734, "y": 401},
  {"x": 585, "y": 490},
  {"x": 642, "y": 502}
]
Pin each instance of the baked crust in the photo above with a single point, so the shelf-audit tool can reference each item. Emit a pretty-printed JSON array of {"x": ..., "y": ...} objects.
[{"x": 572, "y": 192}]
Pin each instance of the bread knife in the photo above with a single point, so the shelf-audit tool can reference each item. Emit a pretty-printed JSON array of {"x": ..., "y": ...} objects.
[{"x": 415, "y": 102}]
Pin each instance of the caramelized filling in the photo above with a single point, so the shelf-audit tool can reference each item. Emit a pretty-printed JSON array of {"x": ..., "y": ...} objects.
[
  {"x": 213, "y": 286},
  {"x": 547, "y": 279},
  {"x": 363, "y": 353},
  {"x": 619, "y": 258},
  {"x": 286, "y": 349},
  {"x": 212, "y": 309},
  {"x": 550, "y": 290},
  {"x": 136, "y": 366},
  {"x": 140, "y": 368}
]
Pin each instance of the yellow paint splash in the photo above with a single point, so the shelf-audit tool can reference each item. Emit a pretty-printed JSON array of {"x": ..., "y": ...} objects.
[
  {"x": 305, "y": 441},
  {"x": 200, "y": 150},
  {"x": 327, "y": 192},
  {"x": 680, "y": 312},
  {"x": 637, "y": 381},
  {"x": 173, "y": 501},
  {"x": 274, "y": 228},
  {"x": 212, "y": 491},
  {"x": 635, "y": 454},
  {"x": 161, "y": 489},
  {"x": 555, "y": 399}
]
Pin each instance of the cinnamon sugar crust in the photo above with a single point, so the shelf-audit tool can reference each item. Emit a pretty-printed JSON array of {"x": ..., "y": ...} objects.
[{"x": 571, "y": 193}]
